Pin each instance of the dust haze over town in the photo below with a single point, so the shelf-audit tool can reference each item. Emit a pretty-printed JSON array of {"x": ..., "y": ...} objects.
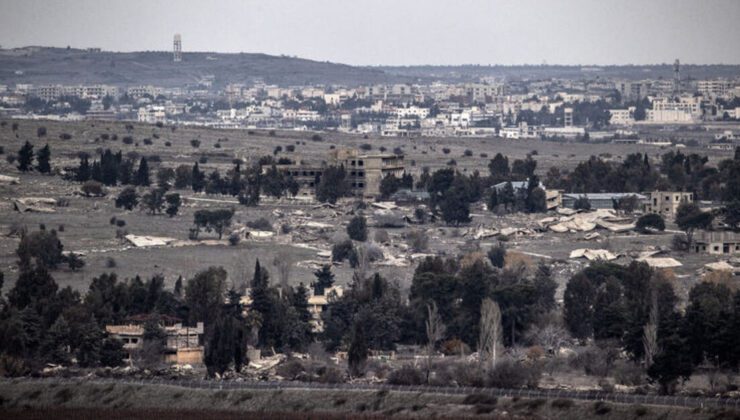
[{"x": 326, "y": 209}]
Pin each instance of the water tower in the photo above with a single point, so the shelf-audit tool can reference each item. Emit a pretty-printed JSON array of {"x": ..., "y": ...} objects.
[
  {"x": 676, "y": 77},
  {"x": 177, "y": 49}
]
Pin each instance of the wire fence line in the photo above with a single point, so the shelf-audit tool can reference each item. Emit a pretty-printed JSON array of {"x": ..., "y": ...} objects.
[{"x": 551, "y": 394}]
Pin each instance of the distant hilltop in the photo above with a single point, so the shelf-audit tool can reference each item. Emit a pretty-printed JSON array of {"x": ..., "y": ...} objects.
[
  {"x": 42, "y": 65},
  {"x": 46, "y": 65}
]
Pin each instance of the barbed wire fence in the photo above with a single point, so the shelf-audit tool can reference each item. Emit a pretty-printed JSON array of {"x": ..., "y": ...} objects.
[{"x": 550, "y": 394}]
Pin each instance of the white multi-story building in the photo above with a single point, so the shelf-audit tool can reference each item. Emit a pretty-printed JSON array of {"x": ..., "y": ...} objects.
[
  {"x": 685, "y": 110},
  {"x": 152, "y": 114},
  {"x": 714, "y": 88},
  {"x": 412, "y": 111},
  {"x": 138, "y": 91},
  {"x": 622, "y": 116},
  {"x": 480, "y": 91}
]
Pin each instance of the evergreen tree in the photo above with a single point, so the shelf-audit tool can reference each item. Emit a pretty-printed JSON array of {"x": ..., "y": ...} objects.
[
  {"x": 112, "y": 353},
  {"x": 43, "y": 158},
  {"x": 214, "y": 185},
  {"x": 332, "y": 185},
  {"x": 83, "y": 171},
  {"x": 109, "y": 168},
  {"x": 235, "y": 185},
  {"x": 358, "y": 351},
  {"x": 126, "y": 172},
  {"x": 153, "y": 201},
  {"x": 198, "y": 179},
  {"x": 493, "y": 200},
  {"x": 273, "y": 183},
  {"x": 173, "y": 204},
  {"x": 299, "y": 300},
  {"x": 262, "y": 303},
  {"x": 455, "y": 207},
  {"x": 204, "y": 295},
  {"x": 672, "y": 363},
  {"x": 142, "y": 174},
  {"x": 127, "y": 198},
  {"x": 324, "y": 280},
  {"x": 25, "y": 157},
  {"x": 96, "y": 172},
  {"x": 89, "y": 344},
  {"x": 178, "y": 287},
  {"x": 357, "y": 228},
  {"x": 55, "y": 348}
]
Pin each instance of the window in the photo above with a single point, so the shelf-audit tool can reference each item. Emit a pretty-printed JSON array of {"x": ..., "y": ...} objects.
[
  {"x": 353, "y": 163},
  {"x": 361, "y": 184},
  {"x": 677, "y": 198},
  {"x": 716, "y": 248},
  {"x": 360, "y": 163},
  {"x": 667, "y": 198},
  {"x": 134, "y": 340}
]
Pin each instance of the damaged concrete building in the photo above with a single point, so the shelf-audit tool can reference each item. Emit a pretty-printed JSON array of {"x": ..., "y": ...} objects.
[
  {"x": 599, "y": 200},
  {"x": 184, "y": 345},
  {"x": 364, "y": 171},
  {"x": 665, "y": 203},
  {"x": 553, "y": 198},
  {"x": 724, "y": 242}
]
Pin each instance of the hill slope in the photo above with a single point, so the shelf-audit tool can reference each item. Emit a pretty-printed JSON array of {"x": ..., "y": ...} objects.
[{"x": 56, "y": 65}]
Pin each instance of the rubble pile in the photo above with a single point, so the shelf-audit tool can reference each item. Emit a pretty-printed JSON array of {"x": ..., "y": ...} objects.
[{"x": 586, "y": 221}]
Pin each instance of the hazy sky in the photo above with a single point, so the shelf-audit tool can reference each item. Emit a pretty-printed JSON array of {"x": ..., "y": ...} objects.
[{"x": 394, "y": 31}]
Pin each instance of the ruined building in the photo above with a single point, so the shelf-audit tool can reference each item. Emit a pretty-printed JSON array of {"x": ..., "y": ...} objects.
[
  {"x": 184, "y": 344},
  {"x": 364, "y": 171}
]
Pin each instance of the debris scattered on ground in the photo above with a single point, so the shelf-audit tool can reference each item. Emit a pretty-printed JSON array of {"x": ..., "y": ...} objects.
[
  {"x": 35, "y": 204},
  {"x": 661, "y": 262},
  {"x": 593, "y": 254},
  {"x": 147, "y": 241},
  {"x": 719, "y": 266},
  {"x": 9, "y": 180}
]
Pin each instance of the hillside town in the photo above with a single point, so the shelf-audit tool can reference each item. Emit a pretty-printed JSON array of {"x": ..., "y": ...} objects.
[
  {"x": 226, "y": 231},
  {"x": 589, "y": 108}
]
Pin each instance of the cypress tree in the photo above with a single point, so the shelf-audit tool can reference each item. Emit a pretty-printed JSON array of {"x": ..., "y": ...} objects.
[
  {"x": 83, "y": 171},
  {"x": 358, "y": 351},
  {"x": 43, "y": 158},
  {"x": 324, "y": 280},
  {"x": 142, "y": 175},
  {"x": 198, "y": 179},
  {"x": 25, "y": 157}
]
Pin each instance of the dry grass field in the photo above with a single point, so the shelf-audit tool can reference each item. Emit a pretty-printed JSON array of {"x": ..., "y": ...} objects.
[
  {"x": 87, "y": 228},
  {"x": 35, "y": 400}
]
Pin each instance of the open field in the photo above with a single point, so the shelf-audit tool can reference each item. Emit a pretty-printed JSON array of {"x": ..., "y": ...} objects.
[
  {"x": 87, "y": 227},
  {"x": 33, "y": 399}
]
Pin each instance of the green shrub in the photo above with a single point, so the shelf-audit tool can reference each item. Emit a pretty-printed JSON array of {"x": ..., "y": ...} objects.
[
  {"x": 406, "y": 375},
  {"x": 562, "y": 404}
]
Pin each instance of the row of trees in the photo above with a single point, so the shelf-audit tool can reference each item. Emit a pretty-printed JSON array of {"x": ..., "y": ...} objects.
[
  {"x": 634, "y": 307},
  {"x": 39, "y": 323},
  {"x": 112, "y": 169},
  {"x": 675, "y": 172},
  {"x": 154, "y": 201},
  {"x": 26, "y": 156}
]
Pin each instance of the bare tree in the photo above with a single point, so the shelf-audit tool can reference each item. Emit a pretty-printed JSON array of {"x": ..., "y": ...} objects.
[
  {"x": 491, "y": 334},
  {"x": 283, "y": 263},
  {"x": 363, "y": 261},
  {"x": 551, "y": 334},
  {"x": 650, "y": 331},
  {"x": 435, "y": 332}
]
